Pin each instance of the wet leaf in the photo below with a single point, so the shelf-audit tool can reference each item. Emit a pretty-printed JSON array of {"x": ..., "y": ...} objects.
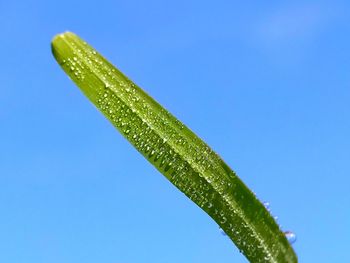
[{"x": 183, "y": 158}]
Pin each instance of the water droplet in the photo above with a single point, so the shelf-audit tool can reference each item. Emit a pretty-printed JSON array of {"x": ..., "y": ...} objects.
[
  {"x": 267, "y": 206},
  {"x": 222, "y": 232},
  {"x": 291, "y": 237}
]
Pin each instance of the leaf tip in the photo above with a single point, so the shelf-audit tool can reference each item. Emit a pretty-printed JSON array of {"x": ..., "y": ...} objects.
[
  {"x": 61, "y": 36},
  {"x": 57, "y": 40}
]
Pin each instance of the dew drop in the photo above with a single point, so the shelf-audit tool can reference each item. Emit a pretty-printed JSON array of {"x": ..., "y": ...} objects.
[
  {"x": 267, "y": 206},
  {"x": 222, "y": 232},
  {"x": 223, "y": 221},
  {"x": 291, "y": 237}
]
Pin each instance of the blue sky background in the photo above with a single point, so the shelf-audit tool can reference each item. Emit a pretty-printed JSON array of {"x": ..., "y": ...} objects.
[{"x": 266, "y": 84}]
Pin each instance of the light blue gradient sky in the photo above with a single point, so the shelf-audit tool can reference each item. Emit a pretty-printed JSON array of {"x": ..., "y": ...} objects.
[{"x": 267, "y": 85}]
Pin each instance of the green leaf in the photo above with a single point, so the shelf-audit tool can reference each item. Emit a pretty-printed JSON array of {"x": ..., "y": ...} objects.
[{"x": 183, "y": 158}]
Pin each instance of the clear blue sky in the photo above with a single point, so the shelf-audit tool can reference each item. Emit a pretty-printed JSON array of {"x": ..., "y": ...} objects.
[{"x": 267, "y": 85}]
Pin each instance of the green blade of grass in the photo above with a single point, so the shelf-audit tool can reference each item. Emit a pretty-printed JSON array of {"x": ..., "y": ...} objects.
[{"x": 183, "y": 158}]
